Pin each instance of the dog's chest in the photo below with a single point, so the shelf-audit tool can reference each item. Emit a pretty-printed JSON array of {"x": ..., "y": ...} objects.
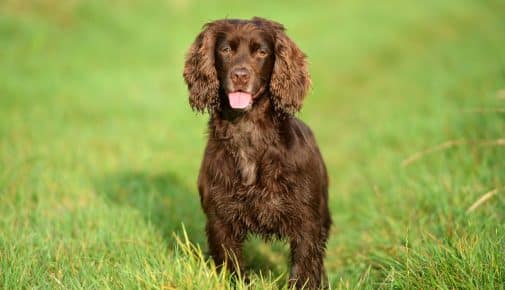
[
  {"x": 256, "y": 210},
  {"x": 259, "y": 202},
  {"x": 247, "y": 143},
  {"x": 257, "y": 199}
]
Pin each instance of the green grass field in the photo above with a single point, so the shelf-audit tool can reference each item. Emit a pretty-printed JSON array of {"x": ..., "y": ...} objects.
[{"x": 99, "y": 150}]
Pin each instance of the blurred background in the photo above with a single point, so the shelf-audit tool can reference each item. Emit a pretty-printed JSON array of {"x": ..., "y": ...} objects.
[{"x": 99, "y": 150}]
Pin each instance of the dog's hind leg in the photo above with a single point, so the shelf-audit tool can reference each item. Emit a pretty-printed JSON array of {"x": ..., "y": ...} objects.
[{"x": 307, "y": 254}]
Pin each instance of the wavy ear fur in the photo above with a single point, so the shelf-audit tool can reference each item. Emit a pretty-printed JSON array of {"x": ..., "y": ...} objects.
[
  {"x": 200, "y": 72},
  {"x": 290, "y": 79}
]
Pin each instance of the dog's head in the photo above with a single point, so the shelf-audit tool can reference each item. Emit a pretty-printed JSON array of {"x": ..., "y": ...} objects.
[{"x": 232, "y": 63}]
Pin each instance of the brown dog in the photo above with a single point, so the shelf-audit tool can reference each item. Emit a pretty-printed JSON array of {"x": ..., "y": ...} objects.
[{"x": 262, "y": 171}]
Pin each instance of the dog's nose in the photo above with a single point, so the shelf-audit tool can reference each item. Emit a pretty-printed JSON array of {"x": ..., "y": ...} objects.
[{"x": 240, "y": 76}]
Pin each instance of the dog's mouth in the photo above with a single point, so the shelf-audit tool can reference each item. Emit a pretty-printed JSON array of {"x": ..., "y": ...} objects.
[{"x": 241, "y": 100}]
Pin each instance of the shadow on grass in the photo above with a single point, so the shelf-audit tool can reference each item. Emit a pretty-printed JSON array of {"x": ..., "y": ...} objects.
[
  {"x": 162, "y": 199},
  {"x": 267, "y": 258},
  {"x": 166, "y": 202}
]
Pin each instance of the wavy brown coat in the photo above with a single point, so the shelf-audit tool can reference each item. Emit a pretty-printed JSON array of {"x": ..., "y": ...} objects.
[{"x": 262, "y": 172}]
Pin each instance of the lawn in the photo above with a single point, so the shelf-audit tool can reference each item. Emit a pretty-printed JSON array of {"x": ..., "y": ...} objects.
[{"x": 99, "y": 150}]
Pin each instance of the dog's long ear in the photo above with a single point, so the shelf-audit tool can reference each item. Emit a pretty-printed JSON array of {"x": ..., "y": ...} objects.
[
  {"x": 290, "y": 79},
  {"x": 200, "y": 72}
]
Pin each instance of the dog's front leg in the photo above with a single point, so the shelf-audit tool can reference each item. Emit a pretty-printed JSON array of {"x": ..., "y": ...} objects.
[{"x": 225, "y": 246}]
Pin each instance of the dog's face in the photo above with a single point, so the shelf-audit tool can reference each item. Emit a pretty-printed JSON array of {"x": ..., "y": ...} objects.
[
  {"x": 244, "y": 59},
  {"x": 232, "y": 63}
]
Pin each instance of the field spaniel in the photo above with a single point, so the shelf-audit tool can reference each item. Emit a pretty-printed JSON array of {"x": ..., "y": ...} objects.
[{"x": 262, "y": 172}]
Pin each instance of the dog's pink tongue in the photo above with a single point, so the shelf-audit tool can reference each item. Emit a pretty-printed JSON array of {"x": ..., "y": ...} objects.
[{"x": 239, "y": 100}]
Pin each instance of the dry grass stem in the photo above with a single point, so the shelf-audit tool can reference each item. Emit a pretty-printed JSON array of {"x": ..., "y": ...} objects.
[
  {"x": 418, "y": 155},
  {"x": 500, "y": 95},
  {"x": 449, "y": 144},
  {"x": 484, "y": 110},
  {"x": 481, "y": 200}
]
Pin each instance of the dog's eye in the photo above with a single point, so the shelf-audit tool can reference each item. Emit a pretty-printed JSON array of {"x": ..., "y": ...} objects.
[
  {"x": 226, "y": 49},
  {"x": 262, "y": 52}
]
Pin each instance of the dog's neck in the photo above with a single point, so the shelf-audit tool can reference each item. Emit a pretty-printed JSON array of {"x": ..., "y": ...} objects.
[
  {"x": 246, "y": 135},
  {"x": 233, "y": 124}
]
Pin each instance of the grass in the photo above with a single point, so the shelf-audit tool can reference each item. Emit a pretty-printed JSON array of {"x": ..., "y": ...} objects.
[{"x": 99, "y": 151}]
